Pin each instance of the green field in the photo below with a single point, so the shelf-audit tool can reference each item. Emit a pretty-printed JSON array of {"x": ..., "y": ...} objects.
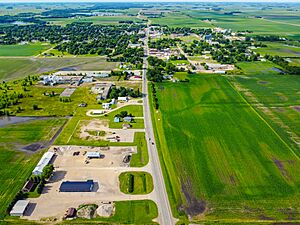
[
  {"x": 136, "y": 183},
  {"x": 127, "y": 212},
  {"x": 14, "y": 68},
  {"x": 280, "y": 49},
  {"x": 23, "y": 50},
  {"x": 179, "y": 20},
  {"x": 278, "y": 94},
  {"x": 97, "y": 20},
  {"x": 220, "y": 157},
  {"x": 16, "y": 166}
]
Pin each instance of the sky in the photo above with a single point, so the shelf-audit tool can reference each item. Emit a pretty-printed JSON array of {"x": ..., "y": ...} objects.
[{"x": 15, "y": 1}]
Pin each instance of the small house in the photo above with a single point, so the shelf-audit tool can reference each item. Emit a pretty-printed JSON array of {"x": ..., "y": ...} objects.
[
  {"x": 117, "y": 119},
  {"x": 123, "y": 99},
  {"x": 106, "y": 105},
  {"x": 127, "y": 119}
]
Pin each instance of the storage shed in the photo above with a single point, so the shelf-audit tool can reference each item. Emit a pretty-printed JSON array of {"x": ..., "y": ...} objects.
[
  {"x": 19, "y": 208},
  {"x": 77, "y": 186},
  {"x": 45, "y": 160}
]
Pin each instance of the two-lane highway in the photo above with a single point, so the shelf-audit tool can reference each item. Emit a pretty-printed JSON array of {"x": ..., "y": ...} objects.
[{"x": 165, "y": 216}]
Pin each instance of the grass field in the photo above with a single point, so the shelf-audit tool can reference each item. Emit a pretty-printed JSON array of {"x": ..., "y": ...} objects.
[
  {"x": 14, "y": 68},
  {"x": 247, "y": 22},
  {"x": 23, "y": 50},
  {"x": 16, "y": 166},
  {"x": 98, "y": 20},
  {"x": 136, "y": 183},
  {"x": 280, "y": 49},
  {"x": 179, "y": 20},
  {"x": 220, "y": 157},
  {"x": 127, "y": 212},
  {"x": 263, "y": 68}
]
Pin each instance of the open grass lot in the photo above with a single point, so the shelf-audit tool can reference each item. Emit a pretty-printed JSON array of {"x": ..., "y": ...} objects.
[
  {"x": 97, "y": 20},
  {"x": 16, "y": 166},
  {"x": 207, "y": 170},
  {"x": 52, "y": 106},
  {"x": 179, "y": 20},
  {"x": 263, "y": 68},
  {"x": 127, "y": 212},
  {"x": 23, "y": 50},
  {"x": 280, "y": 49},
  {"x": 136, "y": 183},
  {"x": 14, "y": 68}
]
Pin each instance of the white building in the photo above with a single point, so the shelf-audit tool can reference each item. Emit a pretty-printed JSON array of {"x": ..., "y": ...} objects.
[
  {"x": 45, "y": 160},
  {"x": 19, "y": 208},
  {"x": 106, "y": 105},
  {"x": 123, "y": 99}
]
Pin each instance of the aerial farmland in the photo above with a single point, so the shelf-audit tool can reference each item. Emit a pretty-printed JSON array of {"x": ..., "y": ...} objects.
[{"x": 149, "y": 112}]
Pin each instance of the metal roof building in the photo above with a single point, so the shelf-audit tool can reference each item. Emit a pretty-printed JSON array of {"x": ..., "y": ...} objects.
[
  {"x": 45, "y": 160},
  {"x": 77, "y": 186},
  {"x": 19, "y": 208},
  {"x": 93, "y": 155}
]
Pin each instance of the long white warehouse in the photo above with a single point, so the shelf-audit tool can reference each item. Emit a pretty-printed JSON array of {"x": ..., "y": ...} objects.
[{"x": 38, "y": 170}]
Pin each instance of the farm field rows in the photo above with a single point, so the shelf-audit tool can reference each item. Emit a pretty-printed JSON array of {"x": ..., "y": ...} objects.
[
  {"x": 207, "y": 169},
  {"x": 14, "y": 68}
]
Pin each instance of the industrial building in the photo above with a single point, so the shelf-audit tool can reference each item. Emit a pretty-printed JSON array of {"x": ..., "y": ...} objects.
[
  {"x": 19, "y": 208},
  {"x": 77, "y": 186},
  {"x": 45, "y": 160}
]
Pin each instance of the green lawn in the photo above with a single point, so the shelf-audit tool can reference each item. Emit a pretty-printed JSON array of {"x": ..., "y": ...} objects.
[
  {"x": 23, "y": 50},
  {"x": 127, "y": 212},
  {"x": 15, "y": 68},
  {"x": 219, "y": 155},
  {"x": 16, "y": 166},
  {"x": 136, "y": 183}
]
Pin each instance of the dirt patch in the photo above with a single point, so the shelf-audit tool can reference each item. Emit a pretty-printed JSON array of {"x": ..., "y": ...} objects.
[
  {"x": 87, "y": 211},
  {"x": 280, "y": 166},
  {"x": 263, "y": 82},
  {"x": 106, "y": 209},
  {"x": 297, "y": 108},
  {"x": 264, "y": 217},
  {"x": 194, "y": 205}
]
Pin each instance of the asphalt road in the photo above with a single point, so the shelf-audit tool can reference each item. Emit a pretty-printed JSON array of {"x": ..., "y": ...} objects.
[{"x": 165, "y": 216}]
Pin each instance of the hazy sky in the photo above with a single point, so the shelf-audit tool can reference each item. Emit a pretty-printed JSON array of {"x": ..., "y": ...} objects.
[{"x": 13, "y": 1}]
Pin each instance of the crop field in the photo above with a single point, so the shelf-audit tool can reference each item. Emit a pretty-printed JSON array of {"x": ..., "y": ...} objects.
[
  {"x": 136, "y": 183},
  {"x": 14, "y": 68},
  {"x": 207, "y": 170},
  {"x": 280, "y": 49},
  {"x": 179, "y": 20},
  {"x": 16, "y": 166},
  {"x": 23, "y": 50},
  {"x": 241, "y": 23},
  {"x": 279, "y": 93},
  {"x": 97, "y": 20}
]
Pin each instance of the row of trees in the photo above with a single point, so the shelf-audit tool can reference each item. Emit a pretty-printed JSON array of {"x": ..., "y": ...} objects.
[
  {"x": 116, "y": 92},
  {"x": 294, "y": 70}
]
